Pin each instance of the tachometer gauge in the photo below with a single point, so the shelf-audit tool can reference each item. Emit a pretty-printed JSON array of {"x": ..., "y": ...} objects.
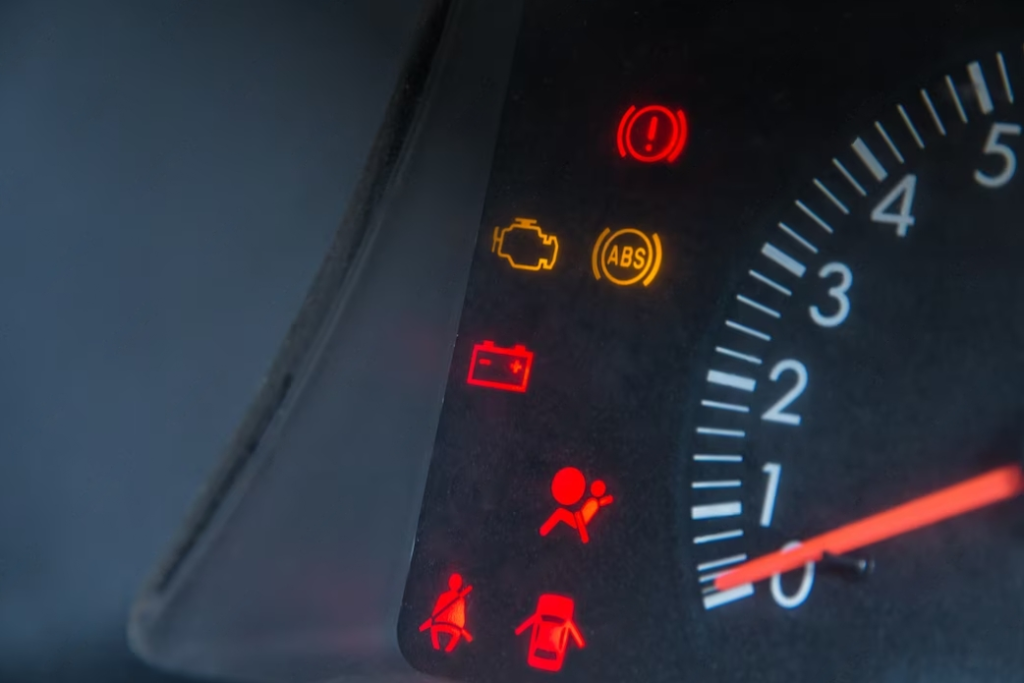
[{"x": 863, "y": 395}]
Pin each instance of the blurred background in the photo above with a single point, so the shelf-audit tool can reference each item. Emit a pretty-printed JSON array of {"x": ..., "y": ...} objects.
[{"x": 171, "y": 174}]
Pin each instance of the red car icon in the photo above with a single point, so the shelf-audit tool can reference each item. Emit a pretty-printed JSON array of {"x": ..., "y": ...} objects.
[{"x": 552, "y": 626}]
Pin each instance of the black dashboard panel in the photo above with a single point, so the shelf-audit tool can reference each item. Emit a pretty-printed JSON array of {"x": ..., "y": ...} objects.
[{"x": 745, "y": 277}]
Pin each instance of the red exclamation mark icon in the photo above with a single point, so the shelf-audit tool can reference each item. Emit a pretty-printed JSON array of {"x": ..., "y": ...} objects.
[
  {"x": 652, "y": 131},
  {"x": 643, "y": 134}
]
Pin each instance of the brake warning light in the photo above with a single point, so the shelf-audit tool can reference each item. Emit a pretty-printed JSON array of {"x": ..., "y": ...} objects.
[
  {"x": 652, "y": 133},
  {"x": 551, "y": 626},
  {"x": 525, "y": 246},
  {"x": 495, "y": 367}
]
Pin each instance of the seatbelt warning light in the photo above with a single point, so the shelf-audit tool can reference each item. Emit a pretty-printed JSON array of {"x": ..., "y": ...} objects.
[
  {"x": 500, "y": 368},
  {"x": 449, "y": 616}
]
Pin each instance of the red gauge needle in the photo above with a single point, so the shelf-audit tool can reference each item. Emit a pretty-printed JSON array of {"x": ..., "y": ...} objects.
[{"x": 995, "y": 486}]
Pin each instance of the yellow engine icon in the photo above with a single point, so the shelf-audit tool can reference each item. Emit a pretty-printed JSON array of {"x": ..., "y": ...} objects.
[
  {"x": 525, "y": 245},
  {"x": 626, "y": 256}
]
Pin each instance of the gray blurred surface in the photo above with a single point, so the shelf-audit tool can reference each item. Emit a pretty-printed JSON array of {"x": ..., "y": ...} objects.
[
  {"x": 298, "y": 571},
  {"x": 171, "y": 174}
]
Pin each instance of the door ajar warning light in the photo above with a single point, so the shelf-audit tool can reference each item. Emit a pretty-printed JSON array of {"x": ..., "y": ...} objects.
[
  {"x": 495, "y": 367},
  {"x": 551, "y": 626}
]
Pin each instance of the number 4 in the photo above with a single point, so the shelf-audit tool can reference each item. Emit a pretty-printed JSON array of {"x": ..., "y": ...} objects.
[{"x": 904, "y": 191}]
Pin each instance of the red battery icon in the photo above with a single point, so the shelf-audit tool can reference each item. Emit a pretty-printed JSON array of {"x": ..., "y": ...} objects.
[{"x": 500, "y": 368}]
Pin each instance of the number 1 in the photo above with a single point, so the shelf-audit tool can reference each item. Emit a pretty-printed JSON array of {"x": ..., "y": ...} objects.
[{"x": 774, "y": 472}]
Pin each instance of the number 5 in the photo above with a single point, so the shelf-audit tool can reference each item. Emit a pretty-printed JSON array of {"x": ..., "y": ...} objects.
[{"x": 993, "y": 146}]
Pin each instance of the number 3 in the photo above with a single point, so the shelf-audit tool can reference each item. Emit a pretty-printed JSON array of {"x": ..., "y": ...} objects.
[
  {"x": 993, "y": 146},
  {"x": 838, "y": 293}
]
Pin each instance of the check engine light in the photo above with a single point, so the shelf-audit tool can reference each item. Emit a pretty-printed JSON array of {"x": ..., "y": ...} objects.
[
  {"x": 495, "y": 367},
  {"x": 525, "y": 246}
]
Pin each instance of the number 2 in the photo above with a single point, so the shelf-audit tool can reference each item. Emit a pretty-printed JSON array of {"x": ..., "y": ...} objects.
[{"x": 775, "y": 413}]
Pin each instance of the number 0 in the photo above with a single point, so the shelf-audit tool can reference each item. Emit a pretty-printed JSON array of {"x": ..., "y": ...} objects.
[{"x": 802, "y": 593}]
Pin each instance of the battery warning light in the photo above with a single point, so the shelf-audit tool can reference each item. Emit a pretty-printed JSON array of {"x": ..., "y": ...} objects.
[
  {"x": 495, "y": 367},
  {"x": 652, "y": 133},
  {"x": 551, "y": 626},
  {"x": 525, "y": 246}
]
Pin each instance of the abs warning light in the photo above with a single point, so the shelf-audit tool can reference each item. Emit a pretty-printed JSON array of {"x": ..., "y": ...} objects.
[
  {"x": 495, "y": 367},
  {"x": 525, "y": 246},
  {"x": 652, "y": 133},
  {"x": 551, "y": 626},
  {"x": 626, "y": 257}
]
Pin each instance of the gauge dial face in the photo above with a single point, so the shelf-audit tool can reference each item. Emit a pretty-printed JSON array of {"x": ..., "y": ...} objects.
[
  {"x": 869, "y": 358},
  {"x": 736, "y": 394}
]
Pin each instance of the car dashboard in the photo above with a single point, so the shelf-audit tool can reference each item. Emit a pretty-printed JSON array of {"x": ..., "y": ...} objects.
[{"x": 681, "y": 342}]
